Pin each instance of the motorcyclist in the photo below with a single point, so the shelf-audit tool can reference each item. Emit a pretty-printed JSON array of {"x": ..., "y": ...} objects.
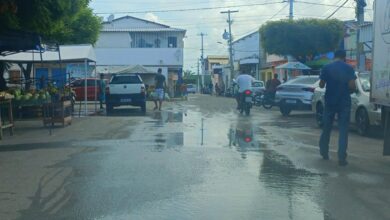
[{"x": 244, "y": 82}]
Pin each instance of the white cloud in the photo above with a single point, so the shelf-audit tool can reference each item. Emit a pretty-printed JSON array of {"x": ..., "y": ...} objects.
[{"x": 151, "y": 17}]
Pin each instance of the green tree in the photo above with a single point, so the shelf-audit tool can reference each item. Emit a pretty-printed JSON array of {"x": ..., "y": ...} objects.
[
  {"x": 187, "y": 74},
  {"x": 301, "y": 38},
  {"x": 56, "y": 21}
]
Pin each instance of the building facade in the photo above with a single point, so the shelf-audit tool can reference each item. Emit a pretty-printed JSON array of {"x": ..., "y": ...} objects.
[
  {"x": 248, "y": 54},
  {"x": 128, "y": 42}
]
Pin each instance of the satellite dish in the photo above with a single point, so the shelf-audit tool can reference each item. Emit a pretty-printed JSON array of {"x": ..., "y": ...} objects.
[{"x": 111, "y": 18}]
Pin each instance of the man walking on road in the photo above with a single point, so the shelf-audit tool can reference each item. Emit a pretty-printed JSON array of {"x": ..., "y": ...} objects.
[
  {"x": 339, "y": 79},
  {"x": 159, "y": 91}
]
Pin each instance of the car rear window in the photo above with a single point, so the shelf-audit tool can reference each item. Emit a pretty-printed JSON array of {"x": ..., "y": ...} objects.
[
  {"x": 304, "y": 80},
  {"x": 258, "y": 84},
  {"x": 125, "y": 80},
  {"x": 190, "y": 86}
]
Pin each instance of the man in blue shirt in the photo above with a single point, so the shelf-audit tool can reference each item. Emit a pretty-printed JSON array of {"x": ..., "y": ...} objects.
[{"x": 339, "y": 79}]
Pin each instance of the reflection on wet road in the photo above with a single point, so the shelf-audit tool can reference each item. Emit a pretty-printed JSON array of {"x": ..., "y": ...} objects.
[{"x": 164, "y": 172}]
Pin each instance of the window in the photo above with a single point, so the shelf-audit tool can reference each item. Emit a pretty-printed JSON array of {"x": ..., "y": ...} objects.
[
  {"x": 126, "y": 80},
  {"x": 305, "y": 80},
  {"x": 172, "y": 42},
  {"x": 141, "y": 43},
  {"x": 157, "y": 43}
]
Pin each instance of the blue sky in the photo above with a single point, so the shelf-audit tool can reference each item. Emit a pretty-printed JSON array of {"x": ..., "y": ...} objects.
[{"x": 213, "y": 23}]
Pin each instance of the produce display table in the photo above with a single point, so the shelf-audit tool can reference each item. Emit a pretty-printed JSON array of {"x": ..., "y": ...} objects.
[
  {"x": 6, "y": 103},
  {"x": 57, "y": 112},
  {"x": 23, "y": 107}
]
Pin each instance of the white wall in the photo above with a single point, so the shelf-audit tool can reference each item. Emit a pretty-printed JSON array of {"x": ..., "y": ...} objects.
[
  {"x": 113, "y": 40},
  {"x": 139, "y": 56},
  {"x": 247, "y": 47}
]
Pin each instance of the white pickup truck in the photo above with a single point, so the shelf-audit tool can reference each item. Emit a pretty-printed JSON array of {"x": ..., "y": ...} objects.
[{"x": 125, "y": 89}]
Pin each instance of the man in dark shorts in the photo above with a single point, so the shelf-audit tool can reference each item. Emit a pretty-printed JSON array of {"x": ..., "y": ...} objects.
[
  {"x": 159, "y": 91},
  {"x": 272, "y": 85},
  {"x": 339, "y": 79}
]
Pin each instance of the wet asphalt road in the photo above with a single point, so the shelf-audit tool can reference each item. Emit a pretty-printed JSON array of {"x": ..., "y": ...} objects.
[{"x": 194, "y": 160}]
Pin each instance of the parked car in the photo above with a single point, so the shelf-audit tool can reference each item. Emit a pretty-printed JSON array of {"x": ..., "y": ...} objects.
[
  {"x": 296, "y": 94},
  {"x": 93, "y": 89},
  {"x": 191, "y": 88},
  {"x": 364, "y": 115},
  {"x": 125, "y": 89},
  {"x": 258, "y": 87}
]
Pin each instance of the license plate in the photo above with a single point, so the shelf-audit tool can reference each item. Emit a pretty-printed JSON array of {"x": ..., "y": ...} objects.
[
  {"x": 125, "y": 100},
  {"x": 291, "y": 101},
  {"x": 248, "y": 99}
]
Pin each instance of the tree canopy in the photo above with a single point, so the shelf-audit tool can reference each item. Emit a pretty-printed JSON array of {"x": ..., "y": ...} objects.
[
  {"x": 60, "y": 21},
  {"x": 301, "y": 38}
]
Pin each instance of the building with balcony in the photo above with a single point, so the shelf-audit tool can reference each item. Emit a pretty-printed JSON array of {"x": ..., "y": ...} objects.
[{"x": 128, "y": 44}]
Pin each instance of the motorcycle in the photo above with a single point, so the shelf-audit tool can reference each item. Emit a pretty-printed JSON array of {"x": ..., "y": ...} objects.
[
  {"x": 265, "y": 100},
  {"x": 246, "y": 102}
]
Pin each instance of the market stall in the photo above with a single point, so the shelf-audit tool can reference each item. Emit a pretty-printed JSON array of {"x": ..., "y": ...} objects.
[
  {"x": 51, "y": 78},
  {"x": 6, "y": 117}
]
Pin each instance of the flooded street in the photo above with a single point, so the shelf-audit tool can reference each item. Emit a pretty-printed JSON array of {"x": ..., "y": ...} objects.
[{"x": 196, "y": 160}]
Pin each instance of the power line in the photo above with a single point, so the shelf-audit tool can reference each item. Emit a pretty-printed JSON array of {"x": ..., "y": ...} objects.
[
  {"x": 322, "y": 4},
  {"x": 337, "y": 9},
  {"x": 273, "y": 16},
  {"x": 191, "y": 9}
]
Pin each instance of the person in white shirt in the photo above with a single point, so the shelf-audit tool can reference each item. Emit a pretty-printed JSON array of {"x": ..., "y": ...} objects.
[{"x": 244, "y": 82}]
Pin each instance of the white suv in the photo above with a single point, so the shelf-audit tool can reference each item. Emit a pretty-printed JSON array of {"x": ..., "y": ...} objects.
[{"x": 125, "y": 89}]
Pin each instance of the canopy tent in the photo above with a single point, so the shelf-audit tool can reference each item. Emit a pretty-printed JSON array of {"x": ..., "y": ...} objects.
[
  {"x": 65, "y": 54},
  {"x": 293, "y": 65},
  {"x": 68, "y": 53}
]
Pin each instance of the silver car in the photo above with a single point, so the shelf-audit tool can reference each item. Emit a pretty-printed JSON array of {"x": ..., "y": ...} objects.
[
  {"x": 258, "y": 87},
  {"x": 296, "y": 94},
  {"x": 364, "y": 115}
]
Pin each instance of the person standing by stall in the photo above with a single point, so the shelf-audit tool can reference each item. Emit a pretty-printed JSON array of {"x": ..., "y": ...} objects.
[{"x": 102, "y": 91}]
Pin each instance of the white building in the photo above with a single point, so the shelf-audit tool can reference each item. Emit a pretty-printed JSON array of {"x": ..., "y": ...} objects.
[
  {"x": 128, "y": 42},
  {"x": 248, "y": 53}
]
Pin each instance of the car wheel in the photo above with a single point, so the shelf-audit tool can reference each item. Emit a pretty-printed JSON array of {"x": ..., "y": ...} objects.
[
  {"x": 320, "y": 115},
  {"x": 285, "y": 110},
  {"x": 362, "y": 122}
]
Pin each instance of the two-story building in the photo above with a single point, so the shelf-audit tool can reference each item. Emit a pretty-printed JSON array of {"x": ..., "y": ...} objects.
[
  {"x": 249, "y": 54},
  {"x": 128, "y": 44}
]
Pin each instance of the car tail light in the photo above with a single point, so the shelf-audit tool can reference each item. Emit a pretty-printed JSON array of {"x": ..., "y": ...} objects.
[
  {"x": 107, "y": 90},
  {"x": 142, "y": 90},
  {"x": 248, "y": 92},
  {"x": 310, "y": 89}
]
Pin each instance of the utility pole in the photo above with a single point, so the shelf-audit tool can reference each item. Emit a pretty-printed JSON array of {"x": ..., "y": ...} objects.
[
  {"x": 360, "y": 56},
  {"x": 291, "y": 15},
  {"x": 199, "y": 89},
  {"x": 202, "y": 56},
  {"x": 230, "y": 38}
]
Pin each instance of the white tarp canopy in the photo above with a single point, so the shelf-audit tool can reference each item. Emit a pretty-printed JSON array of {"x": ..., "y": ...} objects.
[
  {"x": 293, "y": 66},
  {"x": 68, "y": 53}
]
